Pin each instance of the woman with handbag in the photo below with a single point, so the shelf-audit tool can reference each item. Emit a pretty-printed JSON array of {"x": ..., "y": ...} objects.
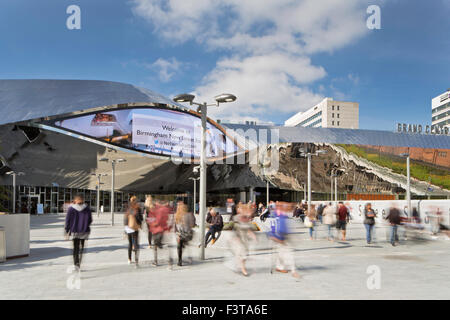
[
  {"x": 369, "y": 221},
  {"x": 310, "y": 220},
  {"x": 133, "y": 221},
  {"x": 184, "y": 222}
]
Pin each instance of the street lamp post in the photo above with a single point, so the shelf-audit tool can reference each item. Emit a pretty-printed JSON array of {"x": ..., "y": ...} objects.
[
  {"x": 99, "y": 176},
  {"x": 408, "y": 182},
  {"x": 309, "y": 155},
  {"x": 14, "y": 174},
  {"x": 113, "y": 164},
  {"x": 195, "y": 192},
  {"x": 331, "y": 188},
  {"x": 223, "y": 98},
  {"x": 335, "y": 175}
]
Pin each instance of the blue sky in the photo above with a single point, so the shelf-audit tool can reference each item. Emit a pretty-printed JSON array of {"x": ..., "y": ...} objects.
[{"x": 278, "y": 58}]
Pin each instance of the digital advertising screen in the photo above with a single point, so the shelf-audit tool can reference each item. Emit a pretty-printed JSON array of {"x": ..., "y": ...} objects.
[{"x": 151, "y": 130}]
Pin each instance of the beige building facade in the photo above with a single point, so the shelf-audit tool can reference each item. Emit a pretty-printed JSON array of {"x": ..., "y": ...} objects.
[{"x": 328, "y": 114}]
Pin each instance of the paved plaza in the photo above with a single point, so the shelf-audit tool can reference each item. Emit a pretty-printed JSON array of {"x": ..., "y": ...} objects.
[{"x": 416, "y": 269}]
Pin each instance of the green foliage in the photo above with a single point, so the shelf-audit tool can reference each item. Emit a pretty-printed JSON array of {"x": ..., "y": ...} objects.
[{"x": 419, "y": 171}]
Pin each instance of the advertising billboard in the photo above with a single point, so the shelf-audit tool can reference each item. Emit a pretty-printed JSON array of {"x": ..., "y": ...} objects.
[{"x": 159, "y": 131}]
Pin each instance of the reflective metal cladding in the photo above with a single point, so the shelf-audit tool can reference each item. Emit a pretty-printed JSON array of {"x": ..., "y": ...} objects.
[{"x": 343, "y": 136}]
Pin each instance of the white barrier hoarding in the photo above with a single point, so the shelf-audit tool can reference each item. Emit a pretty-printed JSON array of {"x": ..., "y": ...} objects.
[{"x": 426, "y": 209}]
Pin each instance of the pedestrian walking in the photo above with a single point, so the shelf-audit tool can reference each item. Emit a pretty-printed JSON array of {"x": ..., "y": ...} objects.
[
  {"x": 184, "y": 222},
  {"x": 160, "y": 227},
  {"x": 133, "y": 221},
  {"x": 319, "y": 210},
  {"x": 242, "y": 232},
  {"x": 310, "y": 220},
  {"x": 394, "y": 220},
  {"x": 77, "y": 227},
  {"x": 148, "y": 207},
  {"x": 369, "y": 221},
  {"x": 329, "y": 219},
  {"x": 343, "y": 218},
  {"x": 278, "y": 235}
]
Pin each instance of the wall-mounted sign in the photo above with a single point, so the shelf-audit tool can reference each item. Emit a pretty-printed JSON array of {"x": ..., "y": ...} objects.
[{"x": 418, "y": 128}]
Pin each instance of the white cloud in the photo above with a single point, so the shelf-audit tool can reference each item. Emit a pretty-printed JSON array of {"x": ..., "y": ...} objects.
[
  {"x": 166, "y": 68},
  {"x": 264, "y": 46}
]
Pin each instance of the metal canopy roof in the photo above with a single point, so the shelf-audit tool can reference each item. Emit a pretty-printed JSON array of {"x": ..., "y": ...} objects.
[
  {"x": 344, "y": 136},
  {"x": 22, "y": 100}
]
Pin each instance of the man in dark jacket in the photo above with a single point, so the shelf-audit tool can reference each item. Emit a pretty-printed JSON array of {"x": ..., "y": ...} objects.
[
  {"x": 394, "y": 219},
  {"x": 216, "y": 224},
  {"x": 77, "y": 226}
]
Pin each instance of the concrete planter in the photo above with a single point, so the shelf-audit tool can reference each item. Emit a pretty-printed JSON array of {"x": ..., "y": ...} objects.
[{"x": 17, "y": 231}]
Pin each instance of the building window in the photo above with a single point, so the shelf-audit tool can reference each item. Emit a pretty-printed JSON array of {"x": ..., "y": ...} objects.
[
  {"x": 332, "y": 123},
  {"x": 332, "y": 115},
  {"x": 338, "y": 115},
  {"x": 338, "y": 123},
  {"x": 338, "y": 108},
  {"x": 332, "y": 107},
  {"x": 304, "y": 122}
]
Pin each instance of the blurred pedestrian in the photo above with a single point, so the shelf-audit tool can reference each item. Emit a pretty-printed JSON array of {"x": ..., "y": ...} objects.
[
  {"x": 159, "y": 226},
  {"x": 278, "y": 234},
  {"x": 394, "y": 220},
  {"x": 133, "y": 222},
  {"x": 242, "y": 232},
  {"x": 184, "y": 222},
  {"x": 77, "y": 226},
  {"x": 310, "y": 220},
  {"x": 343, "y": 218},
  {"x": 319, "y": 210},
  {"x": 148, "y": 207},
  {"x": 329, "y": 219},
  {"x": 369, "y": 221},
  {"x": 265, "y": 214}
]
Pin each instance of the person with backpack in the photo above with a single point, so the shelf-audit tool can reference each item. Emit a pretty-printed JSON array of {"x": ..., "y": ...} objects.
[
  {"x": 77, "y": 226},
  {"x": 278, "y": 235},
  {"x": 184, "y": 222},
  {"x": 215, "y": 221},
  {"x": 369, "y": 221},
  {"x": 133, "y": 221}
]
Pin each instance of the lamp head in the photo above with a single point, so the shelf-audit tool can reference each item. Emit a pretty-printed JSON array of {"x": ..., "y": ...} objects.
[
  {"x": 184, "y": 97},
  {"x": 405, "y": 155},
  {"x": 225, "y": 97}
]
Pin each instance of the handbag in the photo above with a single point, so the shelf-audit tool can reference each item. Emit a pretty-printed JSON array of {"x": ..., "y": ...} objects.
[
  {"x": 132, "y": 222},
  {"x": 308, "y": 223}
]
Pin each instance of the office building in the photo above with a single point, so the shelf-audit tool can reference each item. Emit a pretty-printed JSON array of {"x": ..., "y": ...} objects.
[
  {"x": 328, "y": 114},
  {"x": 440, "y": 110}
]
